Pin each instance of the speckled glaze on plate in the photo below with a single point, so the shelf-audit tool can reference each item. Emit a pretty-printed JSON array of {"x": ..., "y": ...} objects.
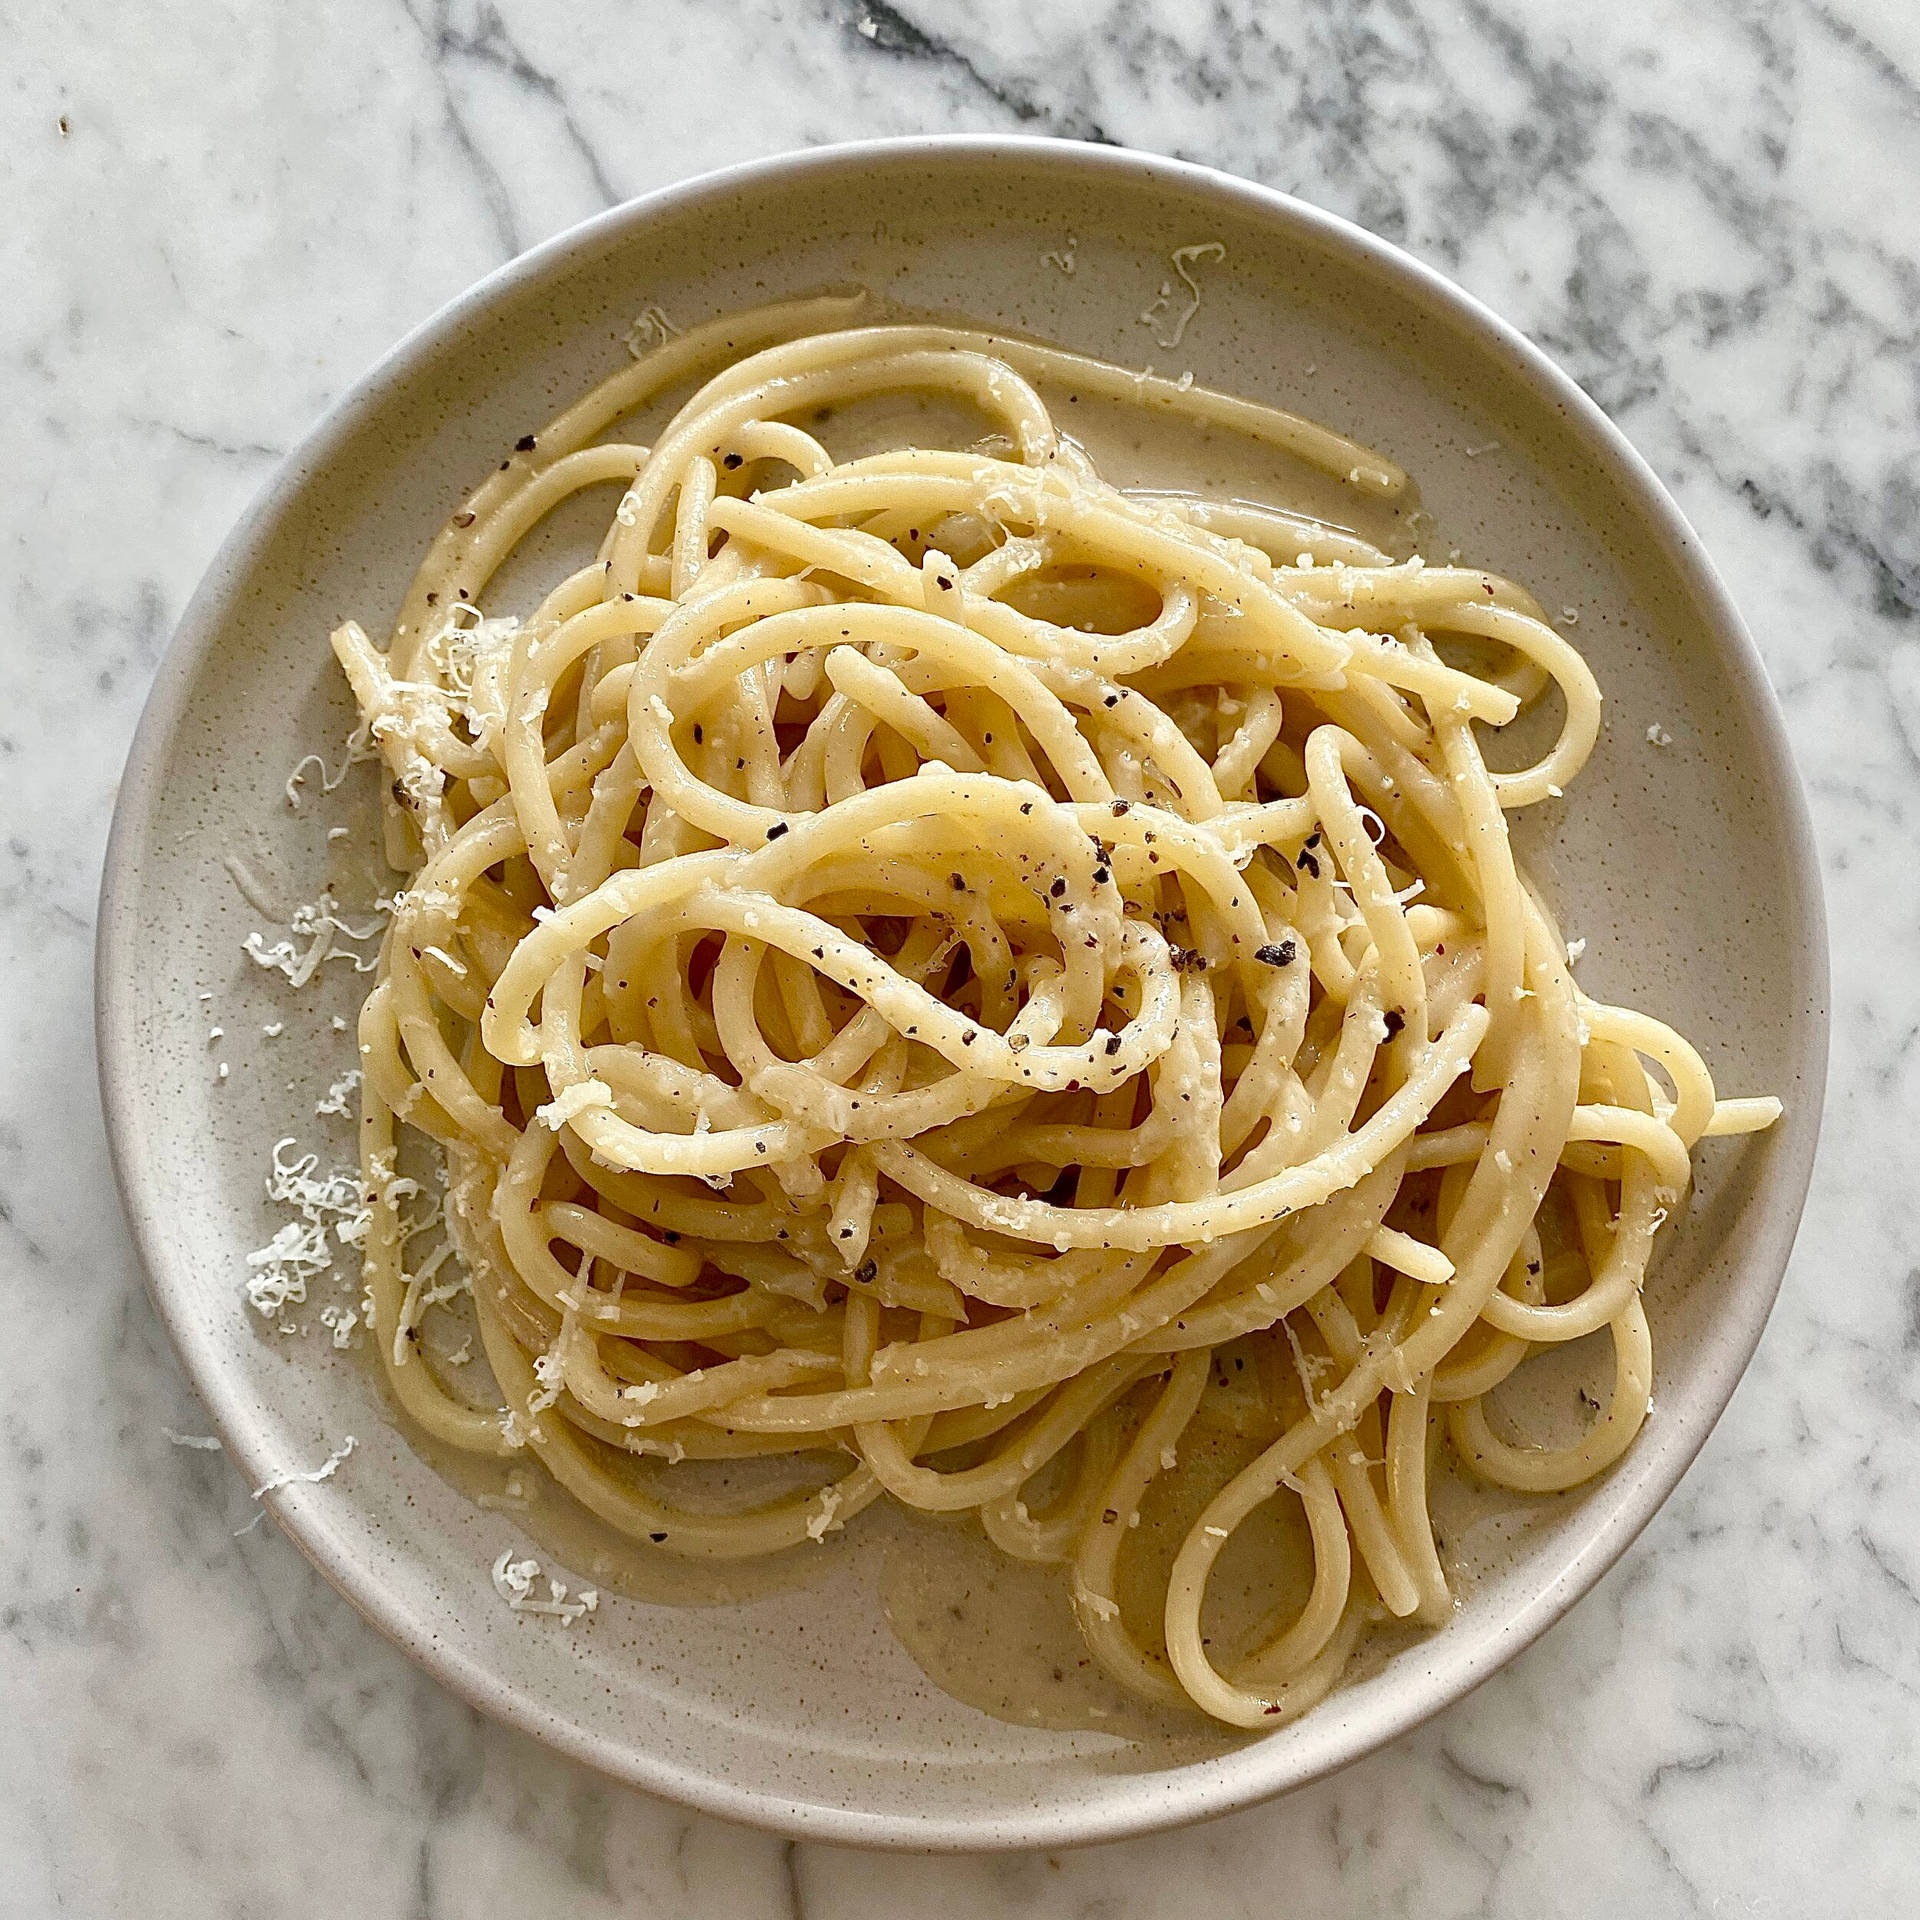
[{"x": 1696, "y": 890}]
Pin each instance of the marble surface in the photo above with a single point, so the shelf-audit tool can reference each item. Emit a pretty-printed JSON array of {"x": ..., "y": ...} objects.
[{"x": 217, "y": 215}]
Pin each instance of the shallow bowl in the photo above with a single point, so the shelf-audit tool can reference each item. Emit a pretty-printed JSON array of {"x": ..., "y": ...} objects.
[{"x": 1688, "y": 868}]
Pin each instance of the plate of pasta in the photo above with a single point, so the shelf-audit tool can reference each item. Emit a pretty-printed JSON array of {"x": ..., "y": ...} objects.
[{"x": 963, "y": 994}]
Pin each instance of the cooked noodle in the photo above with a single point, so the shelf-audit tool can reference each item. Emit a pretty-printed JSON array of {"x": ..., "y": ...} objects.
[{"x": 912, "y": 959}]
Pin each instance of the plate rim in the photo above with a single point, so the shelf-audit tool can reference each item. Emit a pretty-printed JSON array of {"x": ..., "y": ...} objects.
[{"x": 1143, "y": 1803}]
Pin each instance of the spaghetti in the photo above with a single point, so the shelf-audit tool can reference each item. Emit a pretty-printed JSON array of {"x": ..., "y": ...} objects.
[{"x": 912, "y": 959}]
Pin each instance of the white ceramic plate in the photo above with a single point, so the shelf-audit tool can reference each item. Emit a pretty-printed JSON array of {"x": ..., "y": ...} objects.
[{"x": 1696, "y": 890}]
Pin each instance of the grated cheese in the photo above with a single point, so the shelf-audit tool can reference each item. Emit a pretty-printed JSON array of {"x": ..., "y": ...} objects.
[
  {"x": 827, "y": 1518},
  {"x": 552, "y": 1378},
  {"x": 513, "y": 1581},
  {"x": 1167, "y": 326},
  {"x": 337, "y": 1094},
  {"x": 282, "y": 1268},
  {"x": 1098, "y": 1604},
  {"x": 572, "y": 1101},
  {"x": 318, "y": 924},
  {"x": 340, "y": 1322},
  {"x": 421, "y": 1292},
  {"x": 358, "y": 749},
  {"x": 311, "y": 1476},
  {"x": 470, "y": 662},
  {"x": 333, "y": 1210},
  {"x": 653, "y": 328}
]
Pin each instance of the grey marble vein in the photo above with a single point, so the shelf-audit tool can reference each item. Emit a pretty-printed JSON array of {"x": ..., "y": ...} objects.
[{"x": 218, "y": 215}]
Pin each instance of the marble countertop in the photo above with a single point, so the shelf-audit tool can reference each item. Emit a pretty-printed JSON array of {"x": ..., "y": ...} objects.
[{"x": 219, "y": 215}]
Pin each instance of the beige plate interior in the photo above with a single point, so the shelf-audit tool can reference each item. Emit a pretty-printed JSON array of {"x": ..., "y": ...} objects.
[{"x": 1690, "y": 871}]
